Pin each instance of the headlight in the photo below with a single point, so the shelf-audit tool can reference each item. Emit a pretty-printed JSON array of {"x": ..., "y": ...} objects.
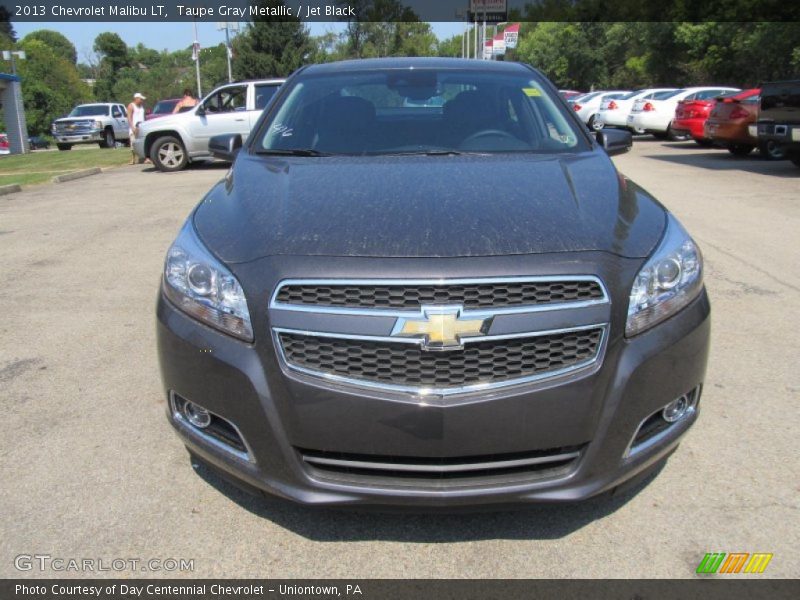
[
  {"x": 670, "y": 279},
  {"x": 201, "y": 286},
  {"x": 98, "y": 124}
]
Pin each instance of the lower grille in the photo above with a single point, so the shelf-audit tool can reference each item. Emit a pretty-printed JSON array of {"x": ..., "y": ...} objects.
[
  {"x": 442, "y": 471},
  {"x": 408, "y": 366}
]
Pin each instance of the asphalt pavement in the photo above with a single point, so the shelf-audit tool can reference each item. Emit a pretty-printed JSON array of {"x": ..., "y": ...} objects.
[{"x": 91, "y": 469}]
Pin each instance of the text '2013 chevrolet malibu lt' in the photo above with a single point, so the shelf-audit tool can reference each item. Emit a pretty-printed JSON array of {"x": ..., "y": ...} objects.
[{"x": 424, "y": 283}]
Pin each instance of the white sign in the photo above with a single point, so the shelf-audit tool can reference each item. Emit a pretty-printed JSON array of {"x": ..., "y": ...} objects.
[
  {"x": 487, "y": 50},
  {"x": 498, "y": 46}
]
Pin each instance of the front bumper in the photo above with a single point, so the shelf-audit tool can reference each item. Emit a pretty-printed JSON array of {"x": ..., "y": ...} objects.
[
  {"x": 138, "y": 147},
  {"x": 277, "y": 413},
  {"x": 95, "y": 135}
]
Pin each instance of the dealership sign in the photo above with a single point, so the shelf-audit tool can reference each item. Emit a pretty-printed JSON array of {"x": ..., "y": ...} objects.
[
  {"x": 487, "y": 10},
  {"x": 488, "y": 49},
  {"x": 511, "y": 35},
  {"x": 498, "y": 45}
]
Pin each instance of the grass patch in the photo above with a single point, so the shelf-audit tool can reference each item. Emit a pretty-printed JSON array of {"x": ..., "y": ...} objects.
[{"x": 41, "y": 166}]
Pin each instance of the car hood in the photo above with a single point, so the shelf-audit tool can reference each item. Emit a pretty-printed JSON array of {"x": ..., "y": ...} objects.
[
  {"x": 422, "y": 206},
  {"x": 167, "y": 121},
  {"x": 78, "y": 119}
]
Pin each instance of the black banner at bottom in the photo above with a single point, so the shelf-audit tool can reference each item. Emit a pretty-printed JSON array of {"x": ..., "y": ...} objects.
[{"x": 388, "y": 589}]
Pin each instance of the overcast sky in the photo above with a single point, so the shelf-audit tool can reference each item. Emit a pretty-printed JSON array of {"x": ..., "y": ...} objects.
[{"x": 173, "y": 36}]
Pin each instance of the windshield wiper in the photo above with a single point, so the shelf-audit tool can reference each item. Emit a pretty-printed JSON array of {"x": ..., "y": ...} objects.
[
  {"x": 433, "y": 152},
  {"x": 292, "y": 152}
]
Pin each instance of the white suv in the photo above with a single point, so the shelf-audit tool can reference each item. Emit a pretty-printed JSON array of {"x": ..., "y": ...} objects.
[{"x": 173, "y": 142}]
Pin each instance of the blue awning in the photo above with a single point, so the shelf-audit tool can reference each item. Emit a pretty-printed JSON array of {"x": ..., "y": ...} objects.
[{"x": 9, "y": 77}]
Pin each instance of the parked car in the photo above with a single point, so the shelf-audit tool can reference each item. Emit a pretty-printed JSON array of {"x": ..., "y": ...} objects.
[
  {"x": 730, "y": 122},
  {"x": 569, "y": 94},
  {"x": 614, "y": 112},
  {"x": 588, "y": 106},
  {"x": 100, "y": 123},
  {"x": 163, "y": 108},
  {"x": 5, "y": 147},
  {"x": 37, "y": 142},
  {"x": 375, "y": 308},
  {"x": 691, "y": 114},
  {"x": 656, "y": 116},
  {"x": 173, "y": 141},
  {"x": 779, "y": 117}
]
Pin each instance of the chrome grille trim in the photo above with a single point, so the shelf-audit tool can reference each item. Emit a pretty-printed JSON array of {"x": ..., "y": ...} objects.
[
  {"x": 443, "y": 391},
  {"x": 454, "y": 468},
  {"x": 384, "y": 312}
]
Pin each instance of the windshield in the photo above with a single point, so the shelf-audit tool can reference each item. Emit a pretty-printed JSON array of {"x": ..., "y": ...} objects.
[
  {"x": 89, "y": 110},
  {"x": 405, "y": 111},
  {"x": 164, "y": 107}
]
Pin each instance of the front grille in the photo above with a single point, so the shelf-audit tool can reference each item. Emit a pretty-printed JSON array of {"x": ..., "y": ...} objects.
[
  {"x": 77, "y": 127},
  {"x": 470, "y": 296},
  {"x": 441, "y": 471},
  {"x": 407, "y": 365}
]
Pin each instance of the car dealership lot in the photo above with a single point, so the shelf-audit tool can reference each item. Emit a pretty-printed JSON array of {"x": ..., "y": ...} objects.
[{"x": 91, "y": 468}]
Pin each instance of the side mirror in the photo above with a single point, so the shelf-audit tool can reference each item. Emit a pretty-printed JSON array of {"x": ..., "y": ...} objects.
[
  {"x": 225, "y": 147},
  {"x": 614, "y": 141}
]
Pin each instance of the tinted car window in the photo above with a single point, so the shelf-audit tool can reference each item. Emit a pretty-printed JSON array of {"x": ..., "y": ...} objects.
[
  {"x": 424, "y": 110},
  {"x": 630, "y": 95},
  {"x": 665, "y": 95},
  {"x": 264, "y": 94},
  {"x": 227, "y": 100},
  {"x": 164, "y": 107}
]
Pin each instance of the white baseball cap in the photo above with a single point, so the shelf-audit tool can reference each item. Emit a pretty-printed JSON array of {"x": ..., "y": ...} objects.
[{"x": 139, "y": 95}]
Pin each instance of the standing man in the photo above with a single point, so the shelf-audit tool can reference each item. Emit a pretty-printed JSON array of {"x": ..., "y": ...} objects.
[
  {"x": 188, "y": 101},
  {"x": 135, "y": 118}
]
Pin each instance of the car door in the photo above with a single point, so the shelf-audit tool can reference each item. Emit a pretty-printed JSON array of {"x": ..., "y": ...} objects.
[
  {"x": 120, "y": 122},
  {"x": 223, "y": 111}
]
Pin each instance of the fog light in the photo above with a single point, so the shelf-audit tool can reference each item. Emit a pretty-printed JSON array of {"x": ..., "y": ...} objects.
[
  {"x": 196, "y": 415},
  {"x": 676, "y": 409}
]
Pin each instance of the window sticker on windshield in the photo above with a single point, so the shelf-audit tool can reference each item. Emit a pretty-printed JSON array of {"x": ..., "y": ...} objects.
[
  {"x": 531, "y": 92},
  {"x": 284, "y": 130}
]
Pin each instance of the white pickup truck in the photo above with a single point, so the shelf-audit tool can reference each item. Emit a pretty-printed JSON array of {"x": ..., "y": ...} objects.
[
  {"x": 102, "y": 123},
  {"x": 174, "y": 141}
]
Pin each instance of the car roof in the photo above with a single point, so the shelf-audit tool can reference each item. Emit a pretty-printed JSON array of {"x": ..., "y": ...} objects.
[{"x": 372, "y": 64}]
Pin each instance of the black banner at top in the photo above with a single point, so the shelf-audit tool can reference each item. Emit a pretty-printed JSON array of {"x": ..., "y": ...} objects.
[{"x": 399, "y": 10}]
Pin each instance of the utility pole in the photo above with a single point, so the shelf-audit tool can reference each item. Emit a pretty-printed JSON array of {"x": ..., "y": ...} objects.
[
  {"x": 196, "y": 57},
  {"x": 228, "y": 27}
]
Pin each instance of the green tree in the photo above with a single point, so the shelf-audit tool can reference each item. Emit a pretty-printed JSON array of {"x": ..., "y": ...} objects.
[
  {"x": 51, "y": 86},
  {"x": 270, "y": 48},
  {"x": 114, "y": 56},
  {"x": 56, "y": 41}
]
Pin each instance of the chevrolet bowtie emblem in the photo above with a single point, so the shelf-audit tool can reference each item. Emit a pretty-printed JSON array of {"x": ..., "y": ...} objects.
[{"x": 442, "y": 327}]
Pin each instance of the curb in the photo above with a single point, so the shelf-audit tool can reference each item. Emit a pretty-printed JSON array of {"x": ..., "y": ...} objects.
[
  {"x": 77, "y": 175},
  {"x": 9, "y": 189}
]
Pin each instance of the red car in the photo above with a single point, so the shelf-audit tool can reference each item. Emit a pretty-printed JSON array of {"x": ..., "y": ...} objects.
[
  {"x": 690, "y": 115},
  {"x": 163, "y": 108}
]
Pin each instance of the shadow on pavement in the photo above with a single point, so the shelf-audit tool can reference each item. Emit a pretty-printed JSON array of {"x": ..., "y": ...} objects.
[
  {"x": 200, "y": 165},
  {"x": 361, "y": 524},
  {"x": 718, "y": 159}
]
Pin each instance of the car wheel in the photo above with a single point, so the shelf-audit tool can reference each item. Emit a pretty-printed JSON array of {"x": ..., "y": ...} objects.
[
  {"x": 740, "y": 149},
  {"x": 108, "y": 139},
  {"x": 169, "y": 154},
  {"x": 63, "y": 147},
  {"x": 594, "y": 124},
  {"x": 772, "y": 151},
  {"x": 675, "y": 137}
]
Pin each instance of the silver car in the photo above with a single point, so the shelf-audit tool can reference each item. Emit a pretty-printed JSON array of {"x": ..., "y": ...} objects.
[{"x": 173, "y": 142}]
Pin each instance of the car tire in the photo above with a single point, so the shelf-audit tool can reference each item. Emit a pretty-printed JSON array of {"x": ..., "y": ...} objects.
[
  {"x": 169, "y": 154},
  {"x": 108, "y": 139},
  {"x": 594, "y": 124},
  {"x": 740, "y": 149},
  {"x": 64, "y": 147},
  {"x": 674, "y": 137},
  {"x": 772, "y": 151}
]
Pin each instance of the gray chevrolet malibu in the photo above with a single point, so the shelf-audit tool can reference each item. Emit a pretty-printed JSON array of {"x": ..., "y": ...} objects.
[{"x": 424, "y": 283}]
